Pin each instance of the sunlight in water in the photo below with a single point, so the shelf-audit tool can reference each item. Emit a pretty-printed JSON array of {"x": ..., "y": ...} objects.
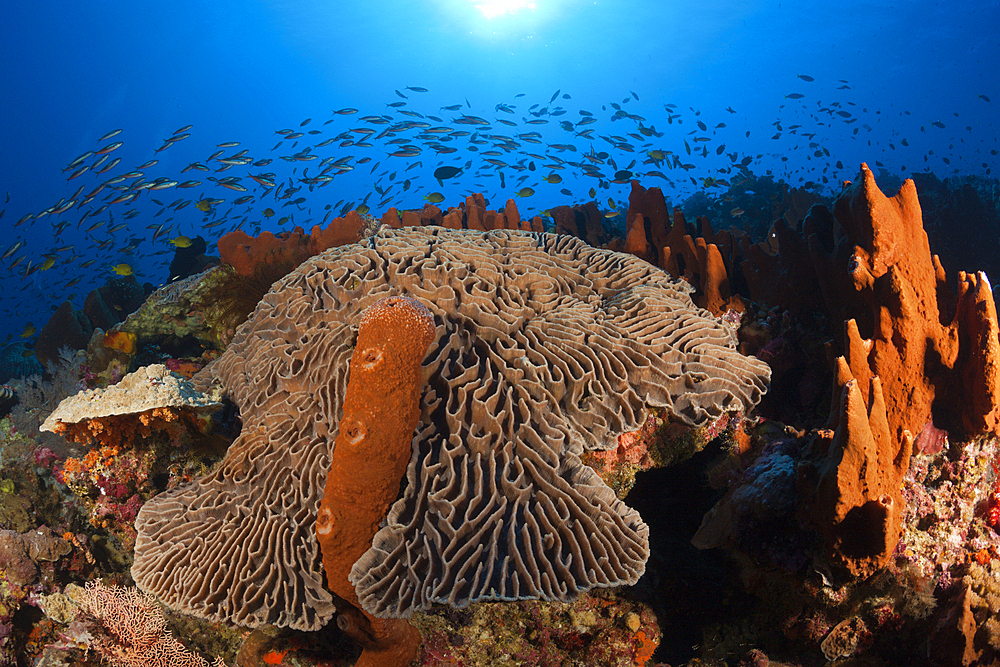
[{"x": 493, "y": 8}]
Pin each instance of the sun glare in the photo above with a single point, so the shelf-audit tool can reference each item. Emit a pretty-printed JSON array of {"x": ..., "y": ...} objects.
[{"x": 494, "y": 8}]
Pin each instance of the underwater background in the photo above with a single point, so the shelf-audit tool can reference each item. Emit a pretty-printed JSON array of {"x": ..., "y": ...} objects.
[
  {"x": 138, "y": 135},
  {"x": 671, "y": 93}
]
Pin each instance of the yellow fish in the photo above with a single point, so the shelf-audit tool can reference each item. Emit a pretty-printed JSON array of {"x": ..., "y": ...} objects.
[
  {"x": 181, "y": 242},
  {"x": 524, "y": 192},
  {"x": 204, "y": 205},
  {"x": 29, "y": 330},
  {"x": 120, "y": 340},
  {"x": 48, "y": 263},
  {"x": 434, "y": 197},
  {"x": 363, "y": 209},
  {"x": 736, "y": 212},
  {"x": 268, "y": 212},
  {"x": 593, "y": 193},
  {"x": 553, "y": 178},
  {"x": 122, "y": 269}
]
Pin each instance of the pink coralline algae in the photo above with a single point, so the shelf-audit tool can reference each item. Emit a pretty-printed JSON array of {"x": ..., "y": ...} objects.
[
  {"x": 660, "y": 442},
  {"x": 931, "y": 440},
  {"x": 110, "y": 482},
  {"x": 946, "y": 520}
]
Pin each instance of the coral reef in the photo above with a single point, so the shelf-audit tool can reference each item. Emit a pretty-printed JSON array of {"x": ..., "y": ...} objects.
[
  {"x": 949, "y": 490},
  {"x": 177, "y": 316},
  {"x": 134, "y": 429},
  {"x": 983, "y": 599},
  {"x": 29, "y": 563},
  {"x": 233, "y": 296},
  {"x": 126, "y": 628},
  {"x": 111, "y": 484},
  {"x": 471, "y": 214},
  {"x": 17, "y": 361},
  {"x": 67, "y": 328},
  {"x": 836, "y": 538},
  {"x": 882, "y": 274},
  {"x": 651, "y": 235},
  {"x": 243, "y": 252},
  {"x": 928, "y": 348},
  {"x": 21, "y": 554},
  {"x": 869, "y": 260},
  {"x": 110, "y": 303},
  {"x": 103, "y": 307},
  {"x": 39, "y": 395},
  {"x": 583, "y": 221},
  {"x": 660, "y": 442},
  {"x": 599, "y": 628},
  {"x": 565, "y": 386},
  {"x": 781, "y": 561}
]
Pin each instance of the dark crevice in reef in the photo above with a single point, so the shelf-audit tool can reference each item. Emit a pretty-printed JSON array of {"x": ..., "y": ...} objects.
[{"x": 689, "y": 589}]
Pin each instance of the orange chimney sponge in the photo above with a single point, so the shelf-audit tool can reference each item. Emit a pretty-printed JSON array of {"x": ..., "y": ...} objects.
[{"x": 381, "y": 409}]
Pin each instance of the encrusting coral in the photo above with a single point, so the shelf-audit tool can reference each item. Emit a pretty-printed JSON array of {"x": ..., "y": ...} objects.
[
  {"x": 381, "y": 409},
  {"x": 151, "y": 398},
  {"x": 545, "y": 348}
]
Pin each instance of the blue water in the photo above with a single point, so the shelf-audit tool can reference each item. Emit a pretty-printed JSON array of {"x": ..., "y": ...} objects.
[{"x": 922, "y": 72}]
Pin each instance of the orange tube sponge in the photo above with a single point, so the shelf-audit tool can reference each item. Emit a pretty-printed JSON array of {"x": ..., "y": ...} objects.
[
  {"x": 852, "y": 481},
  {"x": 381, "y": 410}
]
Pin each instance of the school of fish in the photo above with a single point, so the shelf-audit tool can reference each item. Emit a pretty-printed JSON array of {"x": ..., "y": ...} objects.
[{"x": 131, "y": 221}]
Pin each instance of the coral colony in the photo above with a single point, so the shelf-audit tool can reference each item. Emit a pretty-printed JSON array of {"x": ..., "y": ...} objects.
[{"x": 456, "y": 436}]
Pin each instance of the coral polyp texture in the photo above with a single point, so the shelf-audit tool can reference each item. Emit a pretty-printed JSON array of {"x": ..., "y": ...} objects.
[{"x": 545, "y": 347}]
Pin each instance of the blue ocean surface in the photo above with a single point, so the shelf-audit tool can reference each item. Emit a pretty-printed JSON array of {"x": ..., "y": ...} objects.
[{"x": 283, "y": 114}]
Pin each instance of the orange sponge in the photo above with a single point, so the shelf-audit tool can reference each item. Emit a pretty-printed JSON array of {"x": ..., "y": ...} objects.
[{"x": 381, "y": 411}]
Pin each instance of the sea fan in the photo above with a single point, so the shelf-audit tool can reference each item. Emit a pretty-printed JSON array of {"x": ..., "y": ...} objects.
[{"x": 38, "y": 395}]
